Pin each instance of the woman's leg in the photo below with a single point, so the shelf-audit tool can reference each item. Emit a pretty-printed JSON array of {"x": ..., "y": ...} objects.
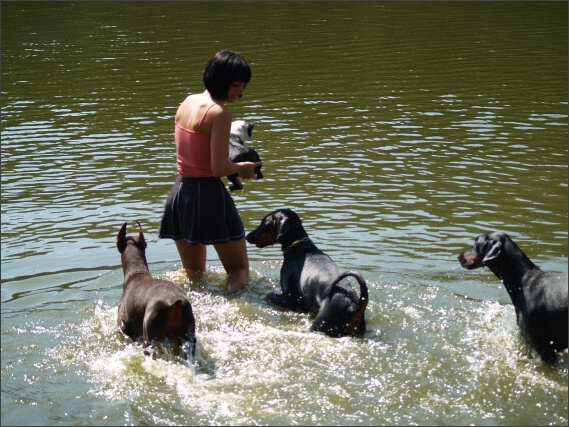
[
  {"x": 193, "y": 258},
  {"x": 233, "y": 256}
]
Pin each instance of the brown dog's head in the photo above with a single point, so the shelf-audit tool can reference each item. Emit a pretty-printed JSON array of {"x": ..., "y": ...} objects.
[
  {"x": 487, "y": 248},
  {"x": 123, "y": 240},
  {"x": 281, "y": 226}
]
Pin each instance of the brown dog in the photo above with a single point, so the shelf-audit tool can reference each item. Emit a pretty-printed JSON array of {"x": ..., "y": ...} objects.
[{"x": 155, "y": 309}]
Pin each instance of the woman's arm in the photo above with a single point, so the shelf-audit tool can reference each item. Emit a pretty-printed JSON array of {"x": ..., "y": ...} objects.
[{"x": 220, "y": 130}]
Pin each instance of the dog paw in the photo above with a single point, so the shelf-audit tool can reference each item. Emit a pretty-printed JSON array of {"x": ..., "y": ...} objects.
[{"x": 271, "y": 297}]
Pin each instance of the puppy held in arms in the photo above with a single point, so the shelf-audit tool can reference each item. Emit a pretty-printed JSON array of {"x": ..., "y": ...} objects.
[
  {"x": 154, "y": 309},
  {"x": 241, "y": 131}
]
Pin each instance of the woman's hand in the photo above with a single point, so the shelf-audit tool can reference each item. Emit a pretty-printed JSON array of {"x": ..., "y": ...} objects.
[{"x": 246, "y": 170}]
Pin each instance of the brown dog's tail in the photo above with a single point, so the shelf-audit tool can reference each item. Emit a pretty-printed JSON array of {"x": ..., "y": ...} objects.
[{"x": 356, "y": 319}]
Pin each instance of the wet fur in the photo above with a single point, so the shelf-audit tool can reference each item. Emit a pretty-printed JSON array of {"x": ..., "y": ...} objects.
[
  {"x": 539, "y": 297},
  {"x": 241, "y": 132},
  {"x": 310, "y": 280},
  {"x": 154, "y": 309}
]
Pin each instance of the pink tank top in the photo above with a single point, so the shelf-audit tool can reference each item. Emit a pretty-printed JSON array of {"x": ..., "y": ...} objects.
[{"x": 193, "y": 151}]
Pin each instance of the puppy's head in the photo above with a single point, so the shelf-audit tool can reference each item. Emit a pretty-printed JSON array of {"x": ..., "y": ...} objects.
[
  {"x": 243, "y": 129},
  {"x": 274, "y": 228},
  {"x": 486, "y": 248}
]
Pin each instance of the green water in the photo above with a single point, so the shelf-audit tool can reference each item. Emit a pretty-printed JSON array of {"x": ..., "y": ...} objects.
[{"x": 398, "y": 131}]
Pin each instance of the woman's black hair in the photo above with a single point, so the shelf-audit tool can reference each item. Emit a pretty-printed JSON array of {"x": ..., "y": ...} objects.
[{"x": 224, "y": 68}]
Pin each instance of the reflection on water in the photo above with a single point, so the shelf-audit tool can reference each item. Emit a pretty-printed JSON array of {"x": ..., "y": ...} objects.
[
  {"x": 258, "y": 363},
  {"x": 398, "y": 132}
]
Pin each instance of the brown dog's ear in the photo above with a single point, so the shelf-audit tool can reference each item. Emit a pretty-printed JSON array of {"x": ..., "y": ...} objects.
[
  {"x": 494, "y": 251},
  {"x": 141, "y": 240},
  {"x": 121, "y": 238}
]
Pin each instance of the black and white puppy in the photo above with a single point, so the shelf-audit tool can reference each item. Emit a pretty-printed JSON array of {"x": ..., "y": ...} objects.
[{"x": 241, "y": 131}]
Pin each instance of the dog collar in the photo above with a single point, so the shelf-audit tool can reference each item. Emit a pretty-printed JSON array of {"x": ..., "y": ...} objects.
[{"x": 296, "y": 242}]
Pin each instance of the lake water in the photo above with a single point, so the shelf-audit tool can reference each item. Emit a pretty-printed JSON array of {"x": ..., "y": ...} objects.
[{"x": 397, "y": 131}]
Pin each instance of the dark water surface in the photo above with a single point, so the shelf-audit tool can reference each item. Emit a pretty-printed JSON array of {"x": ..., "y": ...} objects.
[{"x": 397, "y": 131}]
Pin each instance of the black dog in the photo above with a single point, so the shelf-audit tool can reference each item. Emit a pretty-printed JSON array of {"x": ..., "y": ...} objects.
[
  {"x": 150, "y": 308},
  {"x": 310, "y": 280},
  {"x": 540, "y": 298},
  {"x": 240, "y": 133}
]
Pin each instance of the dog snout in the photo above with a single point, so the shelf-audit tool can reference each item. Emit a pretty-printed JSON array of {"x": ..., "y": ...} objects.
[
  {"x": 255, "y": 240},
  {"x": 260, "y": 239},
  {"x": 469, "y": 259},
  {"x": 251, "y": 236}
]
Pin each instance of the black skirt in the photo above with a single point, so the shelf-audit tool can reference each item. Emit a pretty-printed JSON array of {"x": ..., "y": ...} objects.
[{"x": 200, "y": 210}]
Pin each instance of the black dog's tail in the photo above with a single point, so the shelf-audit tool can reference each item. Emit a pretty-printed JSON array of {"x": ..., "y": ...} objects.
[{"x": 356, "y": 319}]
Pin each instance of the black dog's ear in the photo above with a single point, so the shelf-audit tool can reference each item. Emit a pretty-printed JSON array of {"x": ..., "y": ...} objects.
[
  {"x": 121, "y": 238},
  {"x": 494, "y": 251},
  {"x": 282, "y": 226},
  {"x": 141, "y": 240}
]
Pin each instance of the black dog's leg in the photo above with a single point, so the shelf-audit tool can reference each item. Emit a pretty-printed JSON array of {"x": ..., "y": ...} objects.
[{"x": 282, "y": 300}]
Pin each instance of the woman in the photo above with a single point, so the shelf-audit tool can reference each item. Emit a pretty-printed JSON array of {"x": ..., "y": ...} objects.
[{"x": 199, "y": 210}]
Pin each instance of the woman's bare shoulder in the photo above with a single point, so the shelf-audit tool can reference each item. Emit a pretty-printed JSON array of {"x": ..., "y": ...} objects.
[
  {"x": 219, "y": 111},
  {"x": 201, "y": 108},
  {"x": 218, "y": 116}
]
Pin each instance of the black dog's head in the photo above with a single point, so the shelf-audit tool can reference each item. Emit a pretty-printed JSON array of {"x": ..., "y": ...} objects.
[
  {"x": 487, "y": 248},
  {"x": 281, "y": 226}
]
